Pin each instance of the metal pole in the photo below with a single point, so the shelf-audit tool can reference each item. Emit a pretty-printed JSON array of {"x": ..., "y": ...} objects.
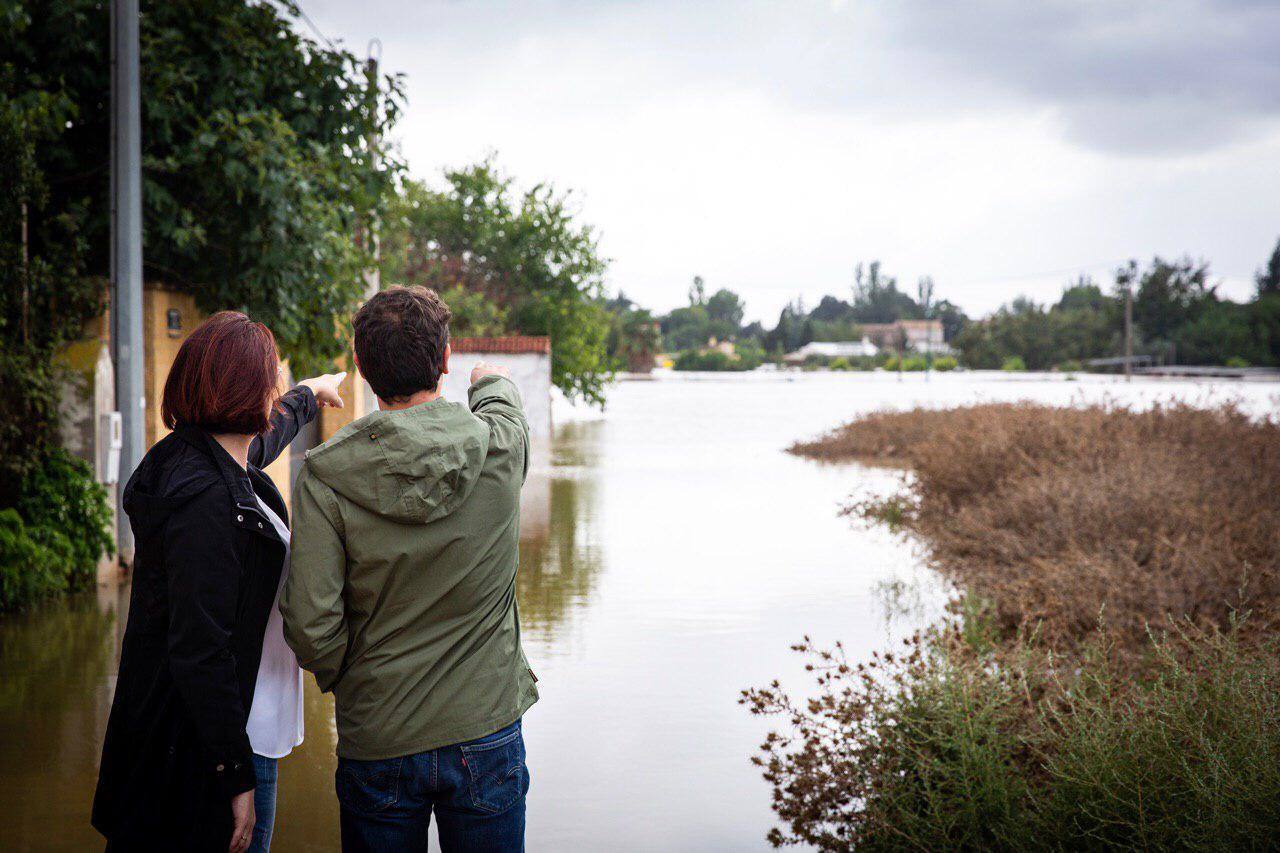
[
  {"x": 126, "y": 248},
  {"x": 1128, "y": 335},
  {"x": 372, "y": 276}
]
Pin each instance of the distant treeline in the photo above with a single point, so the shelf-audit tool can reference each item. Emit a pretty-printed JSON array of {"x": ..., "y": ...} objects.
[
  {"x": 1178, "y": 318},
  {"x": 1177, "y": 314},
  {"x": 638, "y": 334}
]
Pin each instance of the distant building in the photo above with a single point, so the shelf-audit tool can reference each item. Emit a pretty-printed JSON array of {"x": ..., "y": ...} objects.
[
  {"x": 918, "y": 335},
  {"x": 832, "y": 349},
  {"x": 528, "y": 358},
  {"x": 722, "y": 347}
]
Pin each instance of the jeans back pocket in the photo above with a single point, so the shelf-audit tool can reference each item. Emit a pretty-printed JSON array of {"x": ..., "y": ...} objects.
[
  {"x": 496, "y": 771},
  {"x": 368, "y": 786}
]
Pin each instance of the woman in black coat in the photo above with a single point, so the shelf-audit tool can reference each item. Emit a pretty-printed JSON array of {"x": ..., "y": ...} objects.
[{"x": 177, "y": 769}]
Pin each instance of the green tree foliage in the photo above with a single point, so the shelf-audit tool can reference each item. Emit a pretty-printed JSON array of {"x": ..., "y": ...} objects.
[
  {"x": 1177, "y": 316},
  {"x": 793, "y": 330},
  {"x": 634, "y": 336},
  {"x": 718, "y": 316},
  {"x": 51, "y": 542},
  {"x": 725, "y": 309},
  {"x": 259, "y": 166},
  {"x": 748, "y": 356},
  {"x": 259, "y": 169},
  {"x": 522, "y": 252},
  {"x": 1168, "y": 296},
  {"x": 876, "y": 298},
  {"x": 1268, "y": 278}
]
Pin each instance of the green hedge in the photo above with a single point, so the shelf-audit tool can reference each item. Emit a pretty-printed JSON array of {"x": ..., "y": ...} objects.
[{"x": 51, "y": 542}]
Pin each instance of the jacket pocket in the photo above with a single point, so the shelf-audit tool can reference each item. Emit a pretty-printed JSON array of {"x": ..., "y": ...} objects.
[
  {"x": 366, "y": 787},
  {"x": 496, "y": 771}
]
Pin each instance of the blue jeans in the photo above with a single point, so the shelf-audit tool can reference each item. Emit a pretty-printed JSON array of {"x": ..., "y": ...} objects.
[
  {"x": 476, "y": 789},
  {"x": 264, "y": 804}
]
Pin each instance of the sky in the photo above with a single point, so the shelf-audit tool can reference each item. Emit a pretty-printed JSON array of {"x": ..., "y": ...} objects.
[{"x": 1002, "y": 147}]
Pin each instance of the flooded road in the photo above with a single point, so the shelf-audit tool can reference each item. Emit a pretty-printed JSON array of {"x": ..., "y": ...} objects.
[{"x": 670, "y": 554}]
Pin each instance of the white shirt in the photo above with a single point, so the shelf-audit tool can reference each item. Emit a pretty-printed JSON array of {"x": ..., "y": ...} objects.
[{"x": 275, "y": 719}]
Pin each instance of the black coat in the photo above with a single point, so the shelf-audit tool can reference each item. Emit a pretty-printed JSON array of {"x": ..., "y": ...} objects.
[{"x": 205, "y": 573}]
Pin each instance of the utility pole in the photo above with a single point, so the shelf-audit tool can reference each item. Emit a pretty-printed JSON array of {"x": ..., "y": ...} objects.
[
  {"x": 126, "y": 250},
  {"x": 1128, "y": 335},
  {"x": 924, "y": 288},
  {"x": 373, "y": 276}
]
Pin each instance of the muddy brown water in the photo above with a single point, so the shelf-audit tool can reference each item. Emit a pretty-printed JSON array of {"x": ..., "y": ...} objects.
[{"x": 670, "y": 554}]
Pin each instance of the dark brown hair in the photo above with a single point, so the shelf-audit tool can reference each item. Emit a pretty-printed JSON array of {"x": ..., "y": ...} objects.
[
  {"x": 224, "y": 378},
  {"x": 401, "y": 334}
]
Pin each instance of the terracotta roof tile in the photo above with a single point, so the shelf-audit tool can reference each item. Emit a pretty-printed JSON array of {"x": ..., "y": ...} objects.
[{"x": 510, "y": 345}]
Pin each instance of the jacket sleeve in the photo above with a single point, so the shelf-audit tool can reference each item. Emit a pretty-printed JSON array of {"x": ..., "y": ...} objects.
[
  {"x": 315, "y": 623},
  {"x": 297, "y": 408},
  {"x": 496, "y": 400},
  {"x": 204, "y": 584}
]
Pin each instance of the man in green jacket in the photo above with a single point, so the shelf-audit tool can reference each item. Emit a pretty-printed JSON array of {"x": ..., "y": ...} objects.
[{"x": 401, "y": 593}]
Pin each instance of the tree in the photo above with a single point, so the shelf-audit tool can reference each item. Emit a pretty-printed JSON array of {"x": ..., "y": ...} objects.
[
  {"x": 952, "y": 318},
  {"x": 1168, "y": 295},
  {"x": 697, "y": 291},
  {"x": 523, "y": 252},
  {"x": 260, "y": 165},
  {"x": 686, "y": 328},
  {"x": 876, "y": 298},
  {"x": 725, "y": 310},
  {"x": 1268, "y": 277},
  {"x": 634, "y": 336},
  {"x": 792, "y": 331}
]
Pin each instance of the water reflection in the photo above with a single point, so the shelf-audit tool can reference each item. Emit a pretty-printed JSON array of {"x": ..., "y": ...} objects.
[
  {"x": 561, "y": 556},
  {"x": 56, "y": 675}
]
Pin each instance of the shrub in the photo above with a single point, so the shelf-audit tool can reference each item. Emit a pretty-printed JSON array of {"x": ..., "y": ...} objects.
[
  {"x": 31, "y": 568},
  {"x": 1055, "y": 515},
  {"x": 713, "y": 360},
  {"x": 53, "y": 539},
  {"x": 890, "y": 362},
  {"x": 1096, "y": 687},
  {"x": 944, "y": 363},
  {"x": 952, "y": 746},
  {"x": 1071, "y": 365},
  {"x": 1237, "y": 361},
  {"x": 840, "y": 363},
  {"x": 1013, "y": 363},
  {"x": 914, "y": 363}
]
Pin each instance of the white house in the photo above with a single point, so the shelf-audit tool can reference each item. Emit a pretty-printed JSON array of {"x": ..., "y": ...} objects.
[
  {"x": 529, "y": 360},
  {"x": 832, "y": 349}
]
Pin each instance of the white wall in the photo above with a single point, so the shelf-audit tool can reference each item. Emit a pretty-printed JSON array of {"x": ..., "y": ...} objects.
[{"x": 531, "y": 373}]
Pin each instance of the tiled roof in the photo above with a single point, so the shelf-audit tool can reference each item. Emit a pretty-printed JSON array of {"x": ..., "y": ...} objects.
[{"x": 511, "y": 345}]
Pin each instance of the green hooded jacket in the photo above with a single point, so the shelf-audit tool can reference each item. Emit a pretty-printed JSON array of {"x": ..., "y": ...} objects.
[{"x": 401, "y": 594}]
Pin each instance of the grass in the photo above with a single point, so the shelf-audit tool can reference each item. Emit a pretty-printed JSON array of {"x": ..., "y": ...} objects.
[{"x": 1109, "y": 677}]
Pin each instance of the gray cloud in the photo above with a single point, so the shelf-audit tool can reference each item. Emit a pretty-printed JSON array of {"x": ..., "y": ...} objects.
[
  {"x": 1149, "y": 76},
  {"x": 1127, "y": 76}
]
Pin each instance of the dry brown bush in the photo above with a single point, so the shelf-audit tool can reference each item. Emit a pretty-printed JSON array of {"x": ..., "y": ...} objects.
[{"x": 1058, "y": 518}]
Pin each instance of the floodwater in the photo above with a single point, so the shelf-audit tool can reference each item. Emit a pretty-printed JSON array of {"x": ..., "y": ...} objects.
[{"x": 670, "y": 554}]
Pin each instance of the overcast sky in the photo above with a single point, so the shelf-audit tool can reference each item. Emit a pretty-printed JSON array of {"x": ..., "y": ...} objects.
[{"x": 1000, "y": 146}]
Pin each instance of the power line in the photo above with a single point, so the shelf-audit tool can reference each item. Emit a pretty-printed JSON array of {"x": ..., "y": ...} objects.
[
  {"x": 1078, "y": 268},
  {"x": 312, "y": 24}
]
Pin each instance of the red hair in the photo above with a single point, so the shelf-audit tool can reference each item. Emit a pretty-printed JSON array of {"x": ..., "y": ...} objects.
[{"x": 224, "y": 378}]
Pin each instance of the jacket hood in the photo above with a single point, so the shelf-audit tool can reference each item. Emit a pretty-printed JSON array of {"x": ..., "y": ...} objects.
[
  {"x": 173, "y": 472},
  {"x": 411, "y": 466}
]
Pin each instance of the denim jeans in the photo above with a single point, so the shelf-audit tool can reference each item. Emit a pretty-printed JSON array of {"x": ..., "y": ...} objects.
[
  {"x": 264, "y": 804},
  {"x": 476, "y": 790}
]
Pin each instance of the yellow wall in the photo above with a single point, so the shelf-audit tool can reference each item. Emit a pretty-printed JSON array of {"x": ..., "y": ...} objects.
[{"x": 162, "y": 349}]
